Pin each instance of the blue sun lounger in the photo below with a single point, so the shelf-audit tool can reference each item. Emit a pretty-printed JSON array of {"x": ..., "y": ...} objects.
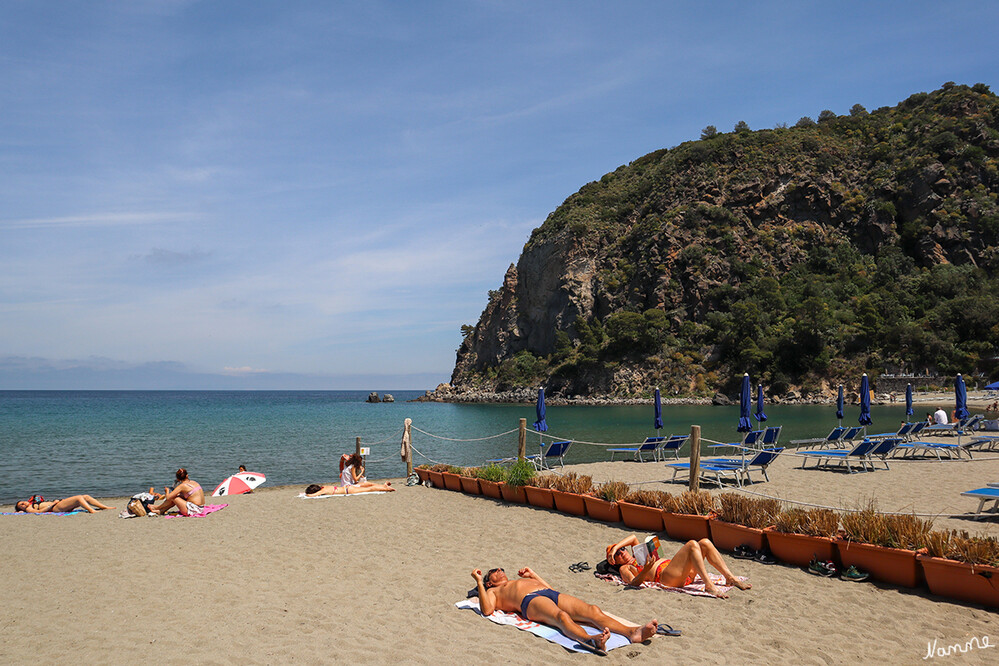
[
  {"x": 983, "y": 495},
  {"x": 859, "y": 453},
  {"x": 834, "y": 436},
  {"x": 650, "y": 446},
  {"x": 732, "y": 466}
]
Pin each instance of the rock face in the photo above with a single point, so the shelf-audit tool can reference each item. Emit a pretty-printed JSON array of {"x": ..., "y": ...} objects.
[
  {"x": 373, "y": 397},
  {"x": 678, "y": 234}
]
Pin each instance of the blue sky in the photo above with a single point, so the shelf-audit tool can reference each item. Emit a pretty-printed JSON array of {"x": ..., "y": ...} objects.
[{"x": 319, "y": 194}]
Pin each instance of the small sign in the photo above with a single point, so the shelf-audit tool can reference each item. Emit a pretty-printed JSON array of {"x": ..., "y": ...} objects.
[{"x": 365, "y": 451}]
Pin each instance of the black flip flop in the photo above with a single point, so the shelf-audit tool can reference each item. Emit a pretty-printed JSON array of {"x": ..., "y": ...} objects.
[
  {"x": 666, "y": 630},
  {"x": 579, "y": 567}
]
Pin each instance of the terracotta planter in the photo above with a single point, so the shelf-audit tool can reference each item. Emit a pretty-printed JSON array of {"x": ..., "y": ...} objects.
[
  {"x": 684, "y": 526},
  {"x": 540, "y": 497},
  {"x": 599, "y": 509},
  {"x": 436, "y": 478},
  {"x": 570, "y": 503},
  {"x": 638, "y": 517},
  {"x": 973, "y": 583},
  {"x": 452, "y": 481},
  {"x": 469, "y": 485},
  {"x": 889, "y": 565},
  {"x": 729, "y": 536},
  {"x": 424, "y": 474},
  {"x": 799, "y": 549},
  {"x": 513, "y": 494},
  {"x": 491, "y": 488}
]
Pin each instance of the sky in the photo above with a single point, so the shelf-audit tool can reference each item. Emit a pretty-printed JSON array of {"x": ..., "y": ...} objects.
[{"x": 318, "y": 195}]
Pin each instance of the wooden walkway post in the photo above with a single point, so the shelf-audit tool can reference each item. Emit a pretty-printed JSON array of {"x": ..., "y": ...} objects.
[
  {"x": 357, "y": 445},
  {"x": 408, "y": 437},
  {"x": 695, "y": 457},
  {"x": 522, "y": 440}
]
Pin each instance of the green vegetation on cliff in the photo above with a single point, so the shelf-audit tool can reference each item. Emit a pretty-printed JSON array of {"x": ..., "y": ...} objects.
[{"x": 798, "y": 254}]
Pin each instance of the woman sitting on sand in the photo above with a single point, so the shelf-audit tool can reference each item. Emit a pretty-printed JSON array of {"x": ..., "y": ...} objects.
[
  {"x": 316, "y": 490},
  {"x": 676, "y": 572},
  {"x": 352, "y": 474},
  {"x": 187, "y": 496},
  {"x": 59, "y": 506}
]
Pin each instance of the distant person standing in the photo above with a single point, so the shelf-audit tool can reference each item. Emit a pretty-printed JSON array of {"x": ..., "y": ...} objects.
[{"x": 940, "y": 417}]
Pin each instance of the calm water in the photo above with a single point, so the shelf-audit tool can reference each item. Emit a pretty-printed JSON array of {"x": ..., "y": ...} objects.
[{"x": 113, "y": 443}]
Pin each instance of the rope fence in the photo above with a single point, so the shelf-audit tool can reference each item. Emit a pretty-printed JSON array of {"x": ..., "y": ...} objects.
[{"x": 392, "y": 438}]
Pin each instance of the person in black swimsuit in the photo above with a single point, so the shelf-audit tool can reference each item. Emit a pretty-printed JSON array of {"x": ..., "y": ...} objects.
[{"x": 535, "y": 599}]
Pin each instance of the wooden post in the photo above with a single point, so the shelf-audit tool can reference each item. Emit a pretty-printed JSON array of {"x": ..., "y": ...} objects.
[
  {"x": 357, "y": 445},
  {"x": 695, "y": 457},
  {"x": 522, "y": 440},
  {"x": 409, "y": 458}
]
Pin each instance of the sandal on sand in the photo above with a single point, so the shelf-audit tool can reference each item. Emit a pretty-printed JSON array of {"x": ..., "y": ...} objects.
[
  {"x": 854, "y": 574},
  {"x": 743, "y": 552},
  {"x": 666, "y": 630},
  {"x": 591, "y": 645},
  {"x": 579, "y": 567}
]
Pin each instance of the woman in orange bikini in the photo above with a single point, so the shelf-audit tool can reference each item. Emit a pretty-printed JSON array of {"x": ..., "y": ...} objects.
[{"x": 676, "y": 572}]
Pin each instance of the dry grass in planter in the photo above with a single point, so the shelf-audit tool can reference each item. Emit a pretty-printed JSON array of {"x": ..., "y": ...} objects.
[
  {"x": 574, "y": 483},
  {"x": 612, "y": 491},
  {"x": 798, "y": 535},
  {"x": 884, "y": 545}
]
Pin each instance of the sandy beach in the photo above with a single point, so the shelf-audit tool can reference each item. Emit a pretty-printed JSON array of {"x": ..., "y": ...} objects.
[{"x": 374, "y": 578}]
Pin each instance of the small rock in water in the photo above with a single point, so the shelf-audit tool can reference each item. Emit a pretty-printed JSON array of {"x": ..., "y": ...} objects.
[
  {"x": 388, "y": 398},
  {"x": 373, "y": 397}
]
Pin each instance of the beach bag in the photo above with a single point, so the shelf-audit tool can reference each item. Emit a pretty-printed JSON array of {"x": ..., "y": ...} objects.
[
  {"x": 137, "y": 508},
  {"x": 413, "y": 480}
]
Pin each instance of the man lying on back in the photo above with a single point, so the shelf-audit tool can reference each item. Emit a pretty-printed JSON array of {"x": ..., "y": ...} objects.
[{"x": 535, "y": 600}]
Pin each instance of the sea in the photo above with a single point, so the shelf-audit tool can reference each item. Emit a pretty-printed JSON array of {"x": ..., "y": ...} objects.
[{"x": 118, "y": 443}]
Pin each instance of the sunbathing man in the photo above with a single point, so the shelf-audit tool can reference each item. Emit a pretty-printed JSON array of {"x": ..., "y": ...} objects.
[
  {"x": 676, "y": 572},
  {"x": 535, "y": 600}
]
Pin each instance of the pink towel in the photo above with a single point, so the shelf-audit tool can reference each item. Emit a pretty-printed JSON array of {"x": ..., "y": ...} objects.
[
  {"x": 209, "y": 508},
  {"x": 696, "y": 588}
]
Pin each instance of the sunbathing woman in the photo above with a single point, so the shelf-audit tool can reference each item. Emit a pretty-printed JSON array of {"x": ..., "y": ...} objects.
[
  {"x": 676, "y": 572},
  {"x": 352, "y": 475},
  {"x": 59, "y": 506},
  {"x": 316, "y": 490},
  {"x": 187, "y": 496}
]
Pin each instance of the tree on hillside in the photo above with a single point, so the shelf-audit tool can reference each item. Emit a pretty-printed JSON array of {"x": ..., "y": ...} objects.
[
  {"x": 825, "y": 115},
  {"x": 805, "y": 121},
  {"x": 742, "y": 126},
  {"x": 858, "y": 110},
  {"x": 709, "y": 132}
]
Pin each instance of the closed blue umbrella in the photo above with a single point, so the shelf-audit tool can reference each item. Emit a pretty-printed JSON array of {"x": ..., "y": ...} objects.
[
  {"x": 658, "y": 425},
  {"x": 540, "y": 424},
  {"x": 745, "y": 404},
  {"x": 839, "y": 405},
  {"x": 865, "y": 401},
  {"x": 760, "y": 415},
  {"x": 960, "y": 398},
  {"x": 908, "y": 400}
]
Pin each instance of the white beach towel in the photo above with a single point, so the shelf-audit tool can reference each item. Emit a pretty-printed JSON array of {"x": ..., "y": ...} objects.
[
  {"x": 543, "y": 630},
  {"x": 375, "y": 492},
  {"x": 696, "y": 588}
]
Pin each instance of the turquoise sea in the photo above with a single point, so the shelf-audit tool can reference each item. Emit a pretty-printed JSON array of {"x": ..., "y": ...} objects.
[{"x": 115, "y": 443}]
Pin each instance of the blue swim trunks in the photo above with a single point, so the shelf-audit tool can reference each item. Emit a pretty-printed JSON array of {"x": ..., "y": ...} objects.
[{"x": 529, "y": 597}]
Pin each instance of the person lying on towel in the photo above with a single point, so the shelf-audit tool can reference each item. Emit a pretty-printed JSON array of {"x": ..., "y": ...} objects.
[
  {"x": 38, "y": 505},
  {"x": 535, "y": 600},
  {"x": 675, "y": 572},
  {"x": 316, "y": 490}
]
